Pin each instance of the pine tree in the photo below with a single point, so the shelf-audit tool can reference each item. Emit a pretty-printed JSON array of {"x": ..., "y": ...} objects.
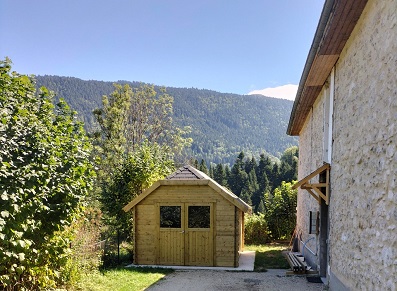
[
  {"x": 238, "y": 177},
  {"x": 250, "y": 164},
  {"x": 211, "y": 171},
  {"x": 220, "y": 175},
  {"x": 246, "y": 196},
  {"x": 265, "y": 167},
  {"x": 274, "y": 177},
  {"x": 203, "y": 167},
  {"x": 227, "y": 176},
  {"x": 289, "y": 164},
  {"x": 261, "y": 207}
]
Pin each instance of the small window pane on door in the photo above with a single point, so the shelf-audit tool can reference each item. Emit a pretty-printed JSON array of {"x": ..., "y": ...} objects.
[
  {"x": 170, "y": 216},
  {"x": 199, "y": 217}
]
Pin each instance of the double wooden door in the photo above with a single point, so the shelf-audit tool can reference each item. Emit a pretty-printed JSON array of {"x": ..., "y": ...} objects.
[{"x": 186, "y": 234}]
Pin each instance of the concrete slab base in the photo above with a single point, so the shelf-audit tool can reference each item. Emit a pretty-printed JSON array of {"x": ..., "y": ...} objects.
[{"x": 246, "y": 263}]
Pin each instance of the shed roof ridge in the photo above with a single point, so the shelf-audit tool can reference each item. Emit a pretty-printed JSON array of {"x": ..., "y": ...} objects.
[
  {"x": 194, "y": 171},
  {"x": 195, "y": 174}
]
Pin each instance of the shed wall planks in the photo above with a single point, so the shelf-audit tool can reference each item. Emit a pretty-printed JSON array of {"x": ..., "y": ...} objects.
[{"x": 153, "y": 246}]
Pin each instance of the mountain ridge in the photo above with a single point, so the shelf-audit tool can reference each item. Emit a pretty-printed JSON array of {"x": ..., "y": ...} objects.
[{"x": 223, "y": 124}]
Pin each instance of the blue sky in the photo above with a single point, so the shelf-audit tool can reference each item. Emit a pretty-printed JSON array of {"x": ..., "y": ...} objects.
[{"x": 231, "y": 46}]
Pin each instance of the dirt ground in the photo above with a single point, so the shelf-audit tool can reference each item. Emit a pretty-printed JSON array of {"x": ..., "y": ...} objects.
[{"x": 228, "y": 281}]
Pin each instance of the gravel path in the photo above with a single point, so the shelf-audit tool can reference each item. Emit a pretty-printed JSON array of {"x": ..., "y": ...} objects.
[{"x": 228, "y": 281}]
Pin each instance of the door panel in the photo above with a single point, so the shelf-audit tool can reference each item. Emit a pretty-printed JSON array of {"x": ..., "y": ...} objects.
[
  {"x": 186, "y": 234},
  {"x": 171, "y": 247},
  {"x": 199, "y": 248},
  {"x": 171, "y": 235},
  {"x": 199, "y": 238}
]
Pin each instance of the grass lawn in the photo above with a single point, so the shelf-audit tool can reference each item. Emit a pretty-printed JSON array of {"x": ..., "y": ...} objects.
[
  {"x": 269, "y": 256},
  {"x": 122, "y": 279}
]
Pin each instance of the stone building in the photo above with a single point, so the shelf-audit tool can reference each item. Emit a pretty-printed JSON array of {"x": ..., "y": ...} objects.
[{"x": 345, "y": 115}]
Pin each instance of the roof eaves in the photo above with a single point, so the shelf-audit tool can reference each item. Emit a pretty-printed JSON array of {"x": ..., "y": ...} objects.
[
  {"x": 337, "y": 21},
  {"x": 318, "y": 36}
]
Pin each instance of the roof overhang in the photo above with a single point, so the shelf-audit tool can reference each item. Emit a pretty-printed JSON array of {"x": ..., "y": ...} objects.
[{"x": 336, "y": 23}]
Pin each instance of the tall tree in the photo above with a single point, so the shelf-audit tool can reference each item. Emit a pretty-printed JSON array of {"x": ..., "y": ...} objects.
[
  {"x": 203, "y": 167},
  {"x": 289, "y": 164},
  {"x": 111, "y": 139},
  {"x": 131, "y": 116},
  {"x": 274, "y": 176},
  {"x": 281, "y": 211},
  {"x": 246, "y": 196},
  {"x": 227, "y": 175},
  {"x": 147, "y": 164},
  {"x": 220, "y": 175},
  {"x": 265, "y": 167},
  {"x": 238, "y": 177},
  {"x": 250, "y": 164},
  {"x": 211, "y": 171}
]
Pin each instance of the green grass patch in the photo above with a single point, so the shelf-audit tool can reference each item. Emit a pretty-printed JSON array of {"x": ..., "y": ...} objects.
[
  {"x": 121, "y": 279},
  {"x": 269, "y": 256}
]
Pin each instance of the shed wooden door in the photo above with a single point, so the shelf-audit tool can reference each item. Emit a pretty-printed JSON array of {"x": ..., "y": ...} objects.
[
  {"x": 199, "y": 235},
  {"x": 186, "y": 234},
  {"x": 171, "y": 235}
]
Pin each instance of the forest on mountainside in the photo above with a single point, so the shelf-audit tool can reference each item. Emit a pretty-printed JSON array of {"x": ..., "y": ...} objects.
[
  {"x": 222, "y": 124},
  {"x": 255, "y": 181}
]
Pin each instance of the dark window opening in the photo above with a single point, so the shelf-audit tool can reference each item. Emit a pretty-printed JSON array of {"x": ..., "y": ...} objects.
[
  {"x": 199, "y": 217},
  {"x": 170, "y": 216}
]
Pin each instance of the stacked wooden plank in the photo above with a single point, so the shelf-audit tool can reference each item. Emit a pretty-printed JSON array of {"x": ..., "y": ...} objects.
[{"x": 296, "y": 264}]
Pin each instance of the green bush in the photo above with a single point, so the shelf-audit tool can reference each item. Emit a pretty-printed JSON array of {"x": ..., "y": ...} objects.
[
  {"x": 280, "y": 211},
  {"x": 86, "y": 248},
  {"x": 255, "y": 229},
  {"x": 45, "y": 175}
]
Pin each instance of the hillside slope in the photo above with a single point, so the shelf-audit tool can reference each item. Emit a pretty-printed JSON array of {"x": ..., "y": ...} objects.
[{"x": 222, "y": 124}]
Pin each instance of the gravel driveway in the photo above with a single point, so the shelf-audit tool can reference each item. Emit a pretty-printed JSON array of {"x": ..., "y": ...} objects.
[{"x": 228, "y": 281}]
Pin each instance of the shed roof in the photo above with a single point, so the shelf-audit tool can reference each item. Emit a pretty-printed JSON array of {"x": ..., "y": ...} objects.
[
  {"x": 337, "y": 21},
  {"x": 188, "y": 175}
]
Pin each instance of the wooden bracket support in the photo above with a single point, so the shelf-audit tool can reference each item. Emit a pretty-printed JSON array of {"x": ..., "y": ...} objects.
[{"x": 316, "y": 189}]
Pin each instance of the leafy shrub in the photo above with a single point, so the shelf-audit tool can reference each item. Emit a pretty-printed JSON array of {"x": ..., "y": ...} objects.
[
  {"x": 86, "y": 248},
  {"x": 280, "y": 211},
  {"x": 255, "y": 229},
  {"x": 45, "y": 175}
]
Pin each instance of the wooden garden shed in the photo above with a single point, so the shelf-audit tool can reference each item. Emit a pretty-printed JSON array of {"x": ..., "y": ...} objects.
[{"x": 188, "y": 219}]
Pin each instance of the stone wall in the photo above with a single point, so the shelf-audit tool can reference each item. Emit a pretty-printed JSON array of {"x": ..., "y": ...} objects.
[
  {"x": 310, "y": 159},
  {"x": 363, "y": 212},
  {"x": 363, "y": 204}
]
